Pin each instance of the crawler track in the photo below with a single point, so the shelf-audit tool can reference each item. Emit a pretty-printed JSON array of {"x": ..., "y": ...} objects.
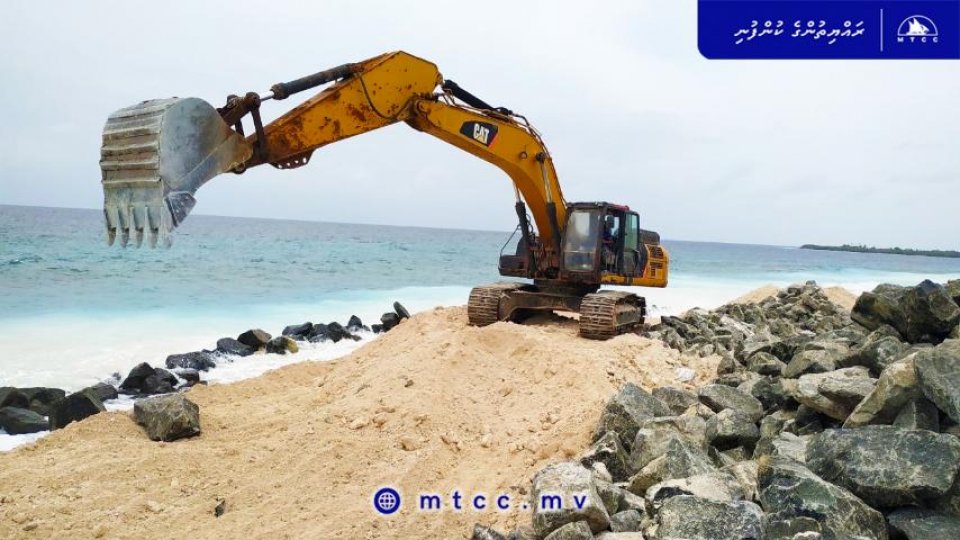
[
  {"x": 483, "y": 307},
  {"x": 605, "y": 314}
]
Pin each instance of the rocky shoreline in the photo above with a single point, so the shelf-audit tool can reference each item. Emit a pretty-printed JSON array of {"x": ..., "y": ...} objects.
[
  {"x": 820, "y": 424},
  {"x": 38, "y": 409}
]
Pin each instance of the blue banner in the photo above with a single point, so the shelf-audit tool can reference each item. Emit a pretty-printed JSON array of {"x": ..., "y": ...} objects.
[{"x": 819, "y": 29}]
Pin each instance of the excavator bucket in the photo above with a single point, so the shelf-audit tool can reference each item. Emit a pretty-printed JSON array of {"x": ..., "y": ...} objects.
[{"x": 155, "y": 156}]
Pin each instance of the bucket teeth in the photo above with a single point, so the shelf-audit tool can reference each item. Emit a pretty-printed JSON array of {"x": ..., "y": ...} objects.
[{"x": 136, "y": 223}]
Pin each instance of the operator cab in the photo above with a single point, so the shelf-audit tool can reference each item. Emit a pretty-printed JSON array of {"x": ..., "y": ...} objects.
[{"x": 602, "y": 238}]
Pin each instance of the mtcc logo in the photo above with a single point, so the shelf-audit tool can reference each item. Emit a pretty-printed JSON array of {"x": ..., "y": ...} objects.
[{"x": 917, "y": 29}]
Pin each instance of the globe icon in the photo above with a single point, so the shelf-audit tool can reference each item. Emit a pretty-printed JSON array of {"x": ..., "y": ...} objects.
[{"x": 386, "y": 501}]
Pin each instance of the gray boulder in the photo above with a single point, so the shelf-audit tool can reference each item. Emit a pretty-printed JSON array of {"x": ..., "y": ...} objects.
[
  {"x": 807, "y": 421},
  {"x": 694, "y": 518},
  {"x": 145, "y": 380},
  {"x": 354, "y": 324},
  {"x": 655, "y": 434},
  {"x": 17, "y": 421},
  {"x": 882, "y": 306},
  {"x": 565, "y": 493},
  {"x": 789, "y": 490},
  {"x": 626, "y": 521},
  {"x": 198, "y": 360},
  {"x": 767, "y": 344},
  {"x": 938, "y": 371},
  {"x": 522, "y": 532},
  {"x": 13, "y": 397},
  {"x": 609, "y": 451},
  {"x": 675, "y": 399},
  {"x": 919, "y": 413},
  {"x": 160, "y": 382},
  {"x": 255, "y": 338},
  {"x": 771, "y": 392},
  {"x": 626, "y": 409},
  {"x": 719, "y": 397},
  {"x": 745, "y": 473},
  {"x": 190, "y": 376},
  {"x": 611, "y": 495},
  {"x": 74, "y": 407},
  {"x": 299, "y": 332},
  {"x": 282, "y": 345},
  {"x": 731, "y": 428},
  {"x": 714, "y": 486},
  {"x": 811, "y": 361},
  {"x": 135, "y": 378},
  {"x": 104, "y": 391},
  {"x": 579, "y": 530},
  {"x": 922, "y": 524},
  {"x": 886, "y": 466},
  {"x": 765, "y": 364},
  {"x": 680, "y": 460},
  {"x": 389, "y": 320},
  {"x": 320, "y": 333},
  {"x": 234, "y": 347},
  {"x": 41, "y": 399},
  {"x": 779, "y": 526},
  {"x": 485, "y": 533},
  {"x": 924, "y": 313},
  {"x": 773, "y": 423},
  {"x": 834, "y": 393},
  {"x": 400, "y": 310},
  {"x": 168, "y": 418},
  {"x": 931, "y": 313},
  {"x": 878, "y": 351},
  {"x": 335, "y": 331},
  {"x": 896, "y": 387},
  {"x": 950, "y": 502},
  {"x": 953, "y": 289},
  {"x": 784, "y": 445}
]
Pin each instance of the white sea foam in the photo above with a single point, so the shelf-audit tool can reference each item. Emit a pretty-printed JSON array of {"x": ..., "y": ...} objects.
[
  {"x": 73, "y": 351},
  {"x": 9, "y": 442}
]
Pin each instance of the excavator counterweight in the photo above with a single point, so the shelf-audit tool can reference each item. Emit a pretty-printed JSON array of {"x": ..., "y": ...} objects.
[{"x": 157, "y": 154}]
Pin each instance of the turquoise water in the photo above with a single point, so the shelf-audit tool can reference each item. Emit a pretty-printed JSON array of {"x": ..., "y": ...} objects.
[{"x": 73, "y": 310}]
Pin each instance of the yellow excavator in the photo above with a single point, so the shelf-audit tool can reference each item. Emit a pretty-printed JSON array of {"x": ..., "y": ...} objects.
[{"x": 157, "y": 154}]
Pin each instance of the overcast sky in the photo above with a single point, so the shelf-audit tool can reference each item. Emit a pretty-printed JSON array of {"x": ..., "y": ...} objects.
[{"x": 734, "y": 151}]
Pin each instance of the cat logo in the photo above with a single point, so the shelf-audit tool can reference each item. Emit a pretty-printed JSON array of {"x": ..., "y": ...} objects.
[
  {"x": 481, "y": 132},
  {"x": 918, "y": 29}
]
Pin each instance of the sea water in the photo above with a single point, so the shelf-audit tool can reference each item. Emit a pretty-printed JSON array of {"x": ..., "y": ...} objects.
[{"x": 74, "y": 311}]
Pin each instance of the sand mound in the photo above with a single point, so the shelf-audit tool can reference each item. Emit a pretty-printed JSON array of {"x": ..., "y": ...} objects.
[
  {"x": 842, "y": 297},
  {"x": 433, "y": 406},
  {"x": 838, "y": 295},
  {"x": 758, "y": 295}
]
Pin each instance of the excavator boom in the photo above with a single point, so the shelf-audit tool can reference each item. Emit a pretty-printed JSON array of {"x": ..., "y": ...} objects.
[{"x": 157, "y": 154}]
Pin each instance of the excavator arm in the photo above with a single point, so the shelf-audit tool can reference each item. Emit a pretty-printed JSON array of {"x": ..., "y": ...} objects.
[{"x": 378, "y": 92}]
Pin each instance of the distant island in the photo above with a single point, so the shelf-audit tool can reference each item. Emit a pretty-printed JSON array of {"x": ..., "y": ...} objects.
[{"x": 889, "y": 251}]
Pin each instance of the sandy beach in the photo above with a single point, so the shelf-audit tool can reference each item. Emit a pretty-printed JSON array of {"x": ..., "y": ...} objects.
[{"x": 434, "y": 405}]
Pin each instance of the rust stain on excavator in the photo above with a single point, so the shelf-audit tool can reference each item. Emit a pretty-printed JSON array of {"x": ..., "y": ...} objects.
[{"x": 355, "y": 112}]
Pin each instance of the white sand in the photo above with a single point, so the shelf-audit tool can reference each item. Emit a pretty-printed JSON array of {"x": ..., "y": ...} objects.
[{"x": 434, "y": 405}]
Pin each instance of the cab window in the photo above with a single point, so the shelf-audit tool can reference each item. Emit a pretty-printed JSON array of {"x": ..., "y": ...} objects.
[
  {"x": 631, "y": 239},
  {"x": 580, "y": 240}
]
